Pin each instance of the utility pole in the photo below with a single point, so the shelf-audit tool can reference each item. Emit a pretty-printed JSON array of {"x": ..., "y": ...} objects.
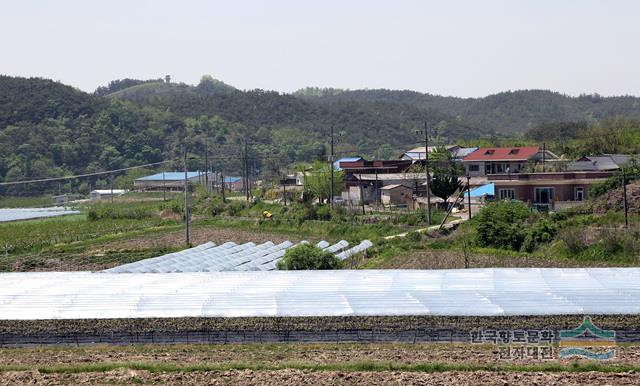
[
  {"x": 361, "y": 194},
  {"x": 469, "y": 194},
  {"x": 164, "y": 188},
  {"x": 222, "y": 187},
  {"x": 284, "y": 190},
  {"x": 624, "y": 192},
  {"x": 186, "y": 199},
  {"x": 426, "y": 170},
  {"x": 544, "y": 154},
  {"x": 331, "y": 160},
  {"x": 206, "y": 164},
  {"x": 111, "y": 183},
  {"x": 246, "y": 170}
]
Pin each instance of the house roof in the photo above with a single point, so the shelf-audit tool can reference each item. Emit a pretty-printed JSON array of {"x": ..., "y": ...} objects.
[
  {"x": 336, "y": 163},
  {"x": 488, "y": 189},
  {"x": 418, "y": 152},
  {"x": 390, "y": 176},
  {"x": 232, "y": 179},
  {"x": 108, "y": 191},
  {"x": 503, "y": 153},
  {"x": 604, "y": 161},
  {"x": 463, "y": 152},
  {"x": 394, "y": 186},
  {"x": 168, "y": 176}
]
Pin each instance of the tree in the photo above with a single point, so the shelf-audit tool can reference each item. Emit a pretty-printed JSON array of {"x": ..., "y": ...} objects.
[
  {"x": 317, "y": 181},
  {"x": 444, "y": 185},
  {"x": 500, "y": 224},
  {"x": 307, "y": 256}
]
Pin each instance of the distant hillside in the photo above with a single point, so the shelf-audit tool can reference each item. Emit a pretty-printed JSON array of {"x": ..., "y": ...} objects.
[
  {"x": 368, "y": 123},
  {"x": 50, "y": 129},
  {"x": 506, "y": 112},
  {"x": 35, "y": 99}
]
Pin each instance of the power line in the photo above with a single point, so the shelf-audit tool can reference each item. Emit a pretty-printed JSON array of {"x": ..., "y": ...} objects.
[{"x": 83, "y": 175}]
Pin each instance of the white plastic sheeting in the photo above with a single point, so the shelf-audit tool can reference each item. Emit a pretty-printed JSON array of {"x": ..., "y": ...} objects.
[
  {"x": 14, "y": 214},
  {"x": 479, "y": 292},
  {"x": 228, "y": 257}
]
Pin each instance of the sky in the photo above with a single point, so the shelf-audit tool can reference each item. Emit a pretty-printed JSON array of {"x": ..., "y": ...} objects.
[{"x": 461, "y": 48}]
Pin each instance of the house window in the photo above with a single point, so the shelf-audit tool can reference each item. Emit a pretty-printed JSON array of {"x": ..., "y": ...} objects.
[
  {"x": 489, "y": 152},
  {"x": 514, "y": 151},
  {"x": 507, "y": 194},
  {"x": 474, "y": 168},
  {"x": 579, "y": 193}
]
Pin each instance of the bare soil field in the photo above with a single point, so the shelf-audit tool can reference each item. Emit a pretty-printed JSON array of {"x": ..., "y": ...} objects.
[
  {"x": 299, "y": 377},
  {"x": 453, "y": 259},
  {"x": 280, "y": 365},
  {"x": 279, "y": 354}
]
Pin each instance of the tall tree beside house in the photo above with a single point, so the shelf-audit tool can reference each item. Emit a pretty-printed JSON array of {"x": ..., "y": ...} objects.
[
  {"x": 317, "y": 181},
  {"x": 444, "y": 185}
]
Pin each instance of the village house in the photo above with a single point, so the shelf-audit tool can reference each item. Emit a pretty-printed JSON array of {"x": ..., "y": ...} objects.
[
  {"x": 102, "y": 194},
  {"x": 397, "y": 195},
  {"x": 547, "y": 191},
  {"x": 504, "y": 160},
  {"x": 457, "y": 152}
]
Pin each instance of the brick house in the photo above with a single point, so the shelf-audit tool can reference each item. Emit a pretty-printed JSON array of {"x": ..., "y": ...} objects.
[{"x": 555, "y": 190}]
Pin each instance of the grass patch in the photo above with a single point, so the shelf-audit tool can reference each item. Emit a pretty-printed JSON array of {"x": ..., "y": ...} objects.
[
  {"x": 369, "y": 366},
  {"x": 25, "y": 202}
]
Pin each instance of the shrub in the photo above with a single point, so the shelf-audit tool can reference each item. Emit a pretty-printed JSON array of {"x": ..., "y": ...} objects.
[
  {"x": 118, "y": 211},
  {"x": 323, "y": 212},
  {"x": 414, "y": 236},
  {"x": 500, "y": 224},
  {"x": 574, "y": 239},
  {"x": 307, "y": 256},
  {"x": 541, "y": 231}
]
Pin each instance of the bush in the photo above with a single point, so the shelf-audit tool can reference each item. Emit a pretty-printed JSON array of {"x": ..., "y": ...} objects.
[
  {"x": 500, "y": 224},
  {"x": 307, "y": 256},
  {"x": 541, "y": 231},
  {"x": 574, "y": 239},
  {"x": 323, "y": 212},
  {"x": 118, "y": 211},
  {"x": 414, "y": 236}
]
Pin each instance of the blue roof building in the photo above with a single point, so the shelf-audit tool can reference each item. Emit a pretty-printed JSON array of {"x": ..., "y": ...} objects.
[{"x": 169, "y": 180}]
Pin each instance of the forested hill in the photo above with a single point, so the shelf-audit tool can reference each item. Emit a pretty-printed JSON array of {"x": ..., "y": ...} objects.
[
  {"x": 48, "y": 129},
  {"x": 506, "y": 112}
]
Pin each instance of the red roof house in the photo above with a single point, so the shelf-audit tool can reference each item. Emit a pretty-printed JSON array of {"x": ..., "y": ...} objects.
[{"x": 499, "y": 160}]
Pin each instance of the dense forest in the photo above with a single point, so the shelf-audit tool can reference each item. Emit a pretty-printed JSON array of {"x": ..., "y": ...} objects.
[
  {"x": 511, "y": 112},
  {"x": 48, "y": 129}
]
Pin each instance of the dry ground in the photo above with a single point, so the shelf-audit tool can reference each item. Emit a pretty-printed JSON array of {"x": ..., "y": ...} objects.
[
  {"x": 277, "y": 354},
  {"x": 298, "y": 377},
  {"x": 280, "y": 355}
]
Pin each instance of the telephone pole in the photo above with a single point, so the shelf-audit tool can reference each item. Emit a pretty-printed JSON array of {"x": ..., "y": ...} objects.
[
  {"x": 624, "y": 200},
  {"x": 331, "y": 160},
  {"x": 186, "y": 199},
  {"x": 206, "y": 164},
  {"x": 426, "y": 170},
  {"x": 469, "y": 195},
  {"x": 246, "y": 170}
]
